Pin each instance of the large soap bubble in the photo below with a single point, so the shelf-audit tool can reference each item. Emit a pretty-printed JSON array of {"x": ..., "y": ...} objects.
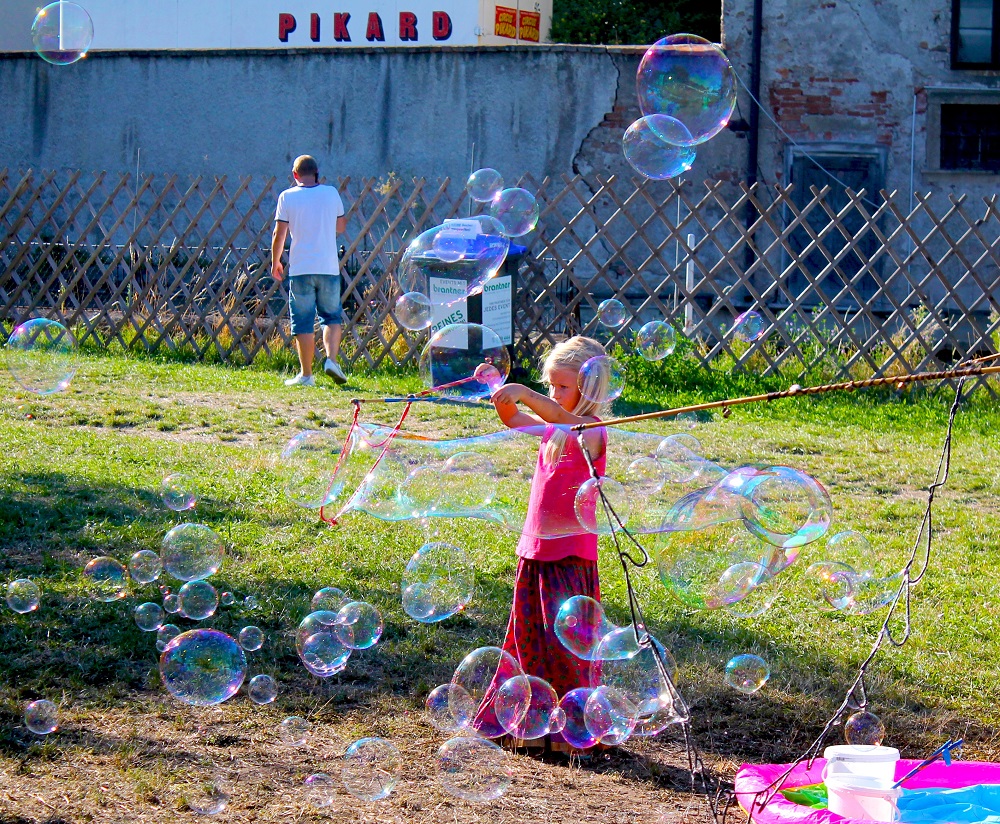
[
  {"x": 634, "y": 670},
  {"x": 451, "y": 358},
  {"x": 358, "y": 625},
  {"x": 473, "y": 769},
  {"x": 747, "y": 673},
  {"x": 574, "y": 707},
  {"x": 438, "y": 582},
  {"x": 690, "y": 79},
  {"x": 308, "y": 461},
  {"x": 328, "y": 598},
  {"x": 318, "y": 646},
  {"x": 480, "y": 670},
  {"x": 748, "y": 326},
  {"x": 413, "y": 311},
  {"x": 611, "y": 312},
  {"x": 371, "y": 768},
  {"x": 864, "y": 729},
  {"x": 526, "y": 707},
  {"x": 516, "y": 210},
  {"x": 581, "y": 624},
  {"x": 41, "y": 717},
  {"x": 62, "y": 33},
  {"x": 601, "y": 379},
  {"x": 262, "y": 689},
  {"x": 106, "y": 579},
  {"x": 786, "y": 507},
  {"x": 149, "y": 616},
  {"x": 145, "y": 566},
  {"x": 202, "y": 667},
  {"x": 484, "y": 185},
  {"x": 655, "y": 340},
  {"x": 192, "y": 552},
  {"x": 41, "y": 356},
  {"x": 610, "y": 715},
  {"x": 23, "y": 595},
  {"x": 602, "y": 505},
  {"x": 178, "y": 492},
  {"x": 450, "y": 708},
  {"x": 198, "y": 600},
  {"x": 653, "y": 156}
]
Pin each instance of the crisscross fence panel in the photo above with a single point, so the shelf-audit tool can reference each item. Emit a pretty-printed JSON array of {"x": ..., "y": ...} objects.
[{"x": 847, "y": 284}]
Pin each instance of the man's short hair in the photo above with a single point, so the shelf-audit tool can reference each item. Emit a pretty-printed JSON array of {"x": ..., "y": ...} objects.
[{"x": 305, "y": 166}]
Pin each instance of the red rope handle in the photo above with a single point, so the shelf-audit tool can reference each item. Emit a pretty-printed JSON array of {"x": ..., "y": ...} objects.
[{"x": 340, "y": 459}]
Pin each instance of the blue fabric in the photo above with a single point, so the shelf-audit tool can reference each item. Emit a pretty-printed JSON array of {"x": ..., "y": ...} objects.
[
  {"x": 965, "y": 805},
  {"x": 309, "y": 295}
]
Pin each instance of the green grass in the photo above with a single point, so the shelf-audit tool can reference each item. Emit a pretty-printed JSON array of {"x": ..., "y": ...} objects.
[{"x": 81, "y": 473}]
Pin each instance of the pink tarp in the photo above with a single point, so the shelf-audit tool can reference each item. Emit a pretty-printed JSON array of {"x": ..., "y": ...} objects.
[{"x": 757, "y": 778}]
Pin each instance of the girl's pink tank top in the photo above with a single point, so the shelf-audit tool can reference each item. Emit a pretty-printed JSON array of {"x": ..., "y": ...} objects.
[{"x": 551, "y": 505}]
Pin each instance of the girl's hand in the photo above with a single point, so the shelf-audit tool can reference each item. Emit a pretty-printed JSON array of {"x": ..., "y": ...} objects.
[{"x": 511, "y": 393}]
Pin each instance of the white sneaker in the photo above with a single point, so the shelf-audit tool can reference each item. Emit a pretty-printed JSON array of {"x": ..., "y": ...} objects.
[
  {"x": 334, "y": 371},
  {"x": 301, "y": 380}
]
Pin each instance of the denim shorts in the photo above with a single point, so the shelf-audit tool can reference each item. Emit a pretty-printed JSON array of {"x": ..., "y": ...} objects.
[{"x": 309, "y": 295}]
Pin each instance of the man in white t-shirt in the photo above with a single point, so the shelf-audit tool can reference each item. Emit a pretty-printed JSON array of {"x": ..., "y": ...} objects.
[{"x": 313, "y": 215}]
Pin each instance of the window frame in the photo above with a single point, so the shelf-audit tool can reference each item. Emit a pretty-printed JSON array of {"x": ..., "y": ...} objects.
[
  {"x": 994, "y": 62},
  {"x": 937, "y": 97}
]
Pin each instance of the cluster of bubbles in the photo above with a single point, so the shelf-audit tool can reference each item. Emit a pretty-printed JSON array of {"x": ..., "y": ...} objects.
[
  {"x": 41, "y": 355},
  {"x": 336, "y": 627},
  {"x": 687, "y": 92},
  {"x": 62, "y": 33}
]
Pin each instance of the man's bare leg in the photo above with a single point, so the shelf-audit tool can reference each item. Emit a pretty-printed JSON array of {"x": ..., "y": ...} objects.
[{"x": 306, "y": 346}]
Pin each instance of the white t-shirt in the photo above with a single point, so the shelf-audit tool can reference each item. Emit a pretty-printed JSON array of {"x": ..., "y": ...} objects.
[{"x": 311, "y": 213}]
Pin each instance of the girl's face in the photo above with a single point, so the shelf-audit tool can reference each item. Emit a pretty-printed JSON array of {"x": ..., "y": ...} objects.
[{"x": 563, "y": 387}]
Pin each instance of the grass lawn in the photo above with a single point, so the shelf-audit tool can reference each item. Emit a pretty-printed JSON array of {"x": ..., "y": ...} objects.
[{"x": 80, "y": 478}]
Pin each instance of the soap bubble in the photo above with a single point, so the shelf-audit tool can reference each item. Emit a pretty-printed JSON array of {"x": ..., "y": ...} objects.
[
  {"x": 145, "y": 566},
  {"x": 516, "y": 210},
  {"x": 633, "y": 669},
  {"x": 590, "y": 507},
  {"x": 41, "y": 717},
  {"x": 786, "y": 507},
  {"x": 202, "y": 667},
  {"x": 557, "y": 720},
  {"x": 748, "y": 326},
  {"x": 469, "y": 481},
  {"x": 524, "y": 706},
  {"x": 23, "y": 595},
  {"x": 473, "y": 769},
  {"x": 864, "y": 729},
  {"x": 198, "y": 600},
  {"x": 690, "y": 79},
  {"x": 320, "y": 790},
  {"x": 575, "y": 732},
  {"x": 470, "y": 251},
  {"x": 601, "y": 379},
  {"x": 609, "y": 715},
  {"x": 165, "y": 634},
  {"x": 747, "y": 673},
  {"x": 611, "y": 312},
  {"x": 413, "y": 311},
  {"x": 308, "y": 460},
  {"x": 106, "y": 579},
  {"x": 192, "y": 552},
  {"x": 450, "y": 708},
  {"x": 359, "y": 625},
  {"x": 209, "y": 797},
  {"x": 831, "y": 584},
  {"x": 581, "y": 624},
  {"x": 328, "y": 598},
  {"x": 149, "y": 617},
  {"x": 262, "y": 689},
  {"x": 454, "y": 353},
  {"x": 171, "y": 603},
  {"x": 655, "y": 340},
  {"x": 251, "y": 638},
  {"x": 484, "y": 185},
  {"x": 318, "y": 647},
  {"x": 294, "y": 731},
  {"x": 62, "y": 33},
  {"x": 873, "y": 594},
  {"x": 438, "y": 582},
  {"x": 652, "y": 155},
  {"x": 250, "y": 602},
  {"x": 480, "y": 669},
  {"x": 41, "y": 356},
  {"x": 371, "y": 768},
  {"x": 177, "y": 492},
  {"x": 227, "y": 599}
]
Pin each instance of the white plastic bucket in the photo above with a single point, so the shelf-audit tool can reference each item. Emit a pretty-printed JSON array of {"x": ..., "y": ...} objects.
[
  {"x": 861, "y": 797},
  {"x": 874, "y": 762}
]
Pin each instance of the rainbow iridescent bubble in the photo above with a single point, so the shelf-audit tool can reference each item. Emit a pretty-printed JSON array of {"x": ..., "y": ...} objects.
[
  {"x": 41, "y": 717},
  {"x": 525, "y": 705},
  {"x": 413, "y": 311},
  {"x": 516, "y": 210},
  {"x": 106, "y": 579},
  {"x": 318, "y": 646},
  {"x": 601, "y": 379},
  {"x": 203, "y": 667},
  {"x": 484, "y": 185},
  {"x": 747, "y": 673},
  {"x": 449, "y": 362},
  {"x": 574, "y": 706},
  {"x": 198, "y": 600},
  {"x": 41, "y": 355},
  {"x": 611, "y": 313},
  {"x": 192, "y": 552},
  {"x": 145, "y": 566},
  {"x": 371, "y": 768},
  {"x": 655, "y": 340},
  {"x": 749, "y": 326},
  {"x": 62, "y": 33},
  {"x": 473, "y": 769},
  {"x": 476, "y": 674},
  {"x": 864, "y": 729},
  {"x": 652, "y": 155},
  {"x": 262, "y": 689},
  {"x": 438, "y": 582},
  {"x": 23, "y": 595},
  {"x": 581, "y": 624},
  {"x": 149, "y": 616},
  {"x": 450, "y": 708},
  {"x": 328, "y": 598},
  {"x": 178, "y": 492},
  {"x": 358, "y": 625}
]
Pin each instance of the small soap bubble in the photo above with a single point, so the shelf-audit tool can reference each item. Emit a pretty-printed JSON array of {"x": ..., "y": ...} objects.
[
  {"x": 251, "y": 638},
  {"x": 611, "y": 313},
  {"x": 250, "y": 602},
  {"x": 581, "y": 624},
  {"x": 525, "y": 705},
  {"x": 294, "y": 731},
  {"x": 262, "y": 689},
  {"x": 317, "y": 645},
  {"x": 165, "y": 634},
  {"x": 145, "y": 566},
  {"x": 359, "y": 625},
  {"x": 655, "y": 340},
  {"x": 747, "y": 673},
  {"x": 209, "y": 797},
  {"x": 371, "y": 768},
  {"x": 41, "y": 356},
  {"x": 177, "y": 492},
  {"x": 320, "y": 790},
  {"x": 106, "y": 579},
  {"x": 198, "y": 600},
  {"x": 864, "y": 729},
  {"x": 438, "y": 582},
  {"x": 516, "y": 210},
  {"x": 450, "y": 708},
  {"x": 227, "y": 599},
  {"x": 413, "y": 311},
  {"x": 23, "y": 595},
  {"x": 328, "y": 598},
  {"x": 203, "y": 667},
  {"x": 650, "y": 154},
  {"x": 748, "y": 327},
  {"x": 41, "y": 717},
  {"x": 473, "y": 769},
  {"x": 592, "y": 501},
  {"x": 484, "y": 185},
  {"x": 192, "y": 552},
  {"x": 171, "y": 603},
  {"x": 149, "y": 617},
  {"x": 601, "y": 379},
  {"x": 62, "y": 33}
]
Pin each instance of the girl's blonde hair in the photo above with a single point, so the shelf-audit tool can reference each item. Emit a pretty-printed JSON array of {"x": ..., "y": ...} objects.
[{"x": 572, "y": 354}]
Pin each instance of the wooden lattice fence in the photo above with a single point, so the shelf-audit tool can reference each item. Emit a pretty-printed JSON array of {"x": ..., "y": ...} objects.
[{"x": 849, "y": 284}]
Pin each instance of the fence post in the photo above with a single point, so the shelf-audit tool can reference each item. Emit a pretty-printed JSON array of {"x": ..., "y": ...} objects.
[{"x": 689, "y": 286}]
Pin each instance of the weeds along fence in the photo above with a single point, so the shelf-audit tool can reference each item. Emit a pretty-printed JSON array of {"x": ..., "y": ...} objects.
[{"x": 849, "y": 284}]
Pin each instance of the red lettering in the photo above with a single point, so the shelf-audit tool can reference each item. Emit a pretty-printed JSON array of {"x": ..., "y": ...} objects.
[
  {"x": 407, "y": 25},
  {"x": 340, "y": 33},
  {"x": 442, "y": 25},
  {"x": 375, "y": 30},
  {"x": 286, "y": 25},
  {"x": 314, "y": 27}
]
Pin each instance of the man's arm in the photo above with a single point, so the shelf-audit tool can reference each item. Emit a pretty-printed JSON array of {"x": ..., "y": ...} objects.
[
  {"x": 341, "y": 224},
  {"x": 278, "y": 247}
]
